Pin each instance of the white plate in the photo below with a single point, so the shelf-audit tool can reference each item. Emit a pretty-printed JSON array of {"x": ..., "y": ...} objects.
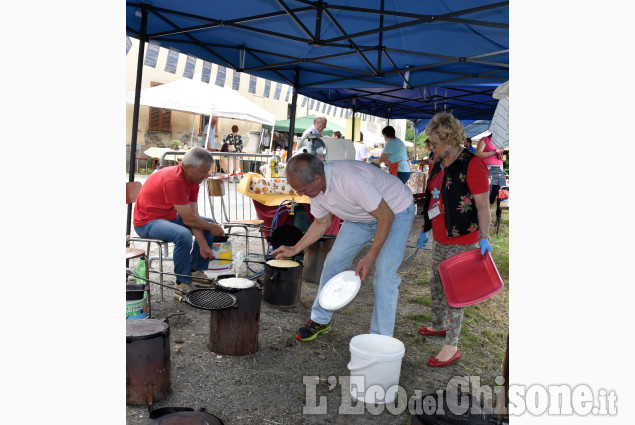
[{"x": 340, "y": 290}]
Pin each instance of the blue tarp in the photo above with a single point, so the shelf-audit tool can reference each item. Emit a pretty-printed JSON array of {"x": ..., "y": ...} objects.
[
  {"x": 472, "y": 128},
  {"x": 436, "y": 46}
]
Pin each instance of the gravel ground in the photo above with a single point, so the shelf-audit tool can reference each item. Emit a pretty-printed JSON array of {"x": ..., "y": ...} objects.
[{"x": 267, "y": 387}]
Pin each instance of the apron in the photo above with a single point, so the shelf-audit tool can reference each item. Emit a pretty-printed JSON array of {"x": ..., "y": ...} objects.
[{"x": 393, "y": 167}]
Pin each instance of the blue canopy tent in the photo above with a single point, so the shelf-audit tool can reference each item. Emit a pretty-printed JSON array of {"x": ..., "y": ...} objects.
[
  {"x": 472, "y": 127},
  {"x": 344, "y": 51}
]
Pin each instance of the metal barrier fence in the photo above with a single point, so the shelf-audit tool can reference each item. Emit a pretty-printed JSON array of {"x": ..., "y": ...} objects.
[{"x": 230, "y": 168}]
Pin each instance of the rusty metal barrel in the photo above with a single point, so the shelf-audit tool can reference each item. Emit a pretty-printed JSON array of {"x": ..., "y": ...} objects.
[
  {"x": 234, "y": 331},
  {"x": 314, "y": 257},
  {"x": 147, "y": 361}
]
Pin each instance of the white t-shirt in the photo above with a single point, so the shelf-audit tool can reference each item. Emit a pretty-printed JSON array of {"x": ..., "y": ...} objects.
[
  {"x": 360, "y": 151},
  {"x": 355, "y": 188}
]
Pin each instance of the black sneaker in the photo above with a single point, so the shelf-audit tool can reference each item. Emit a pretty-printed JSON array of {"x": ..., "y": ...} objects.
[{"x": 311, "y": 330}]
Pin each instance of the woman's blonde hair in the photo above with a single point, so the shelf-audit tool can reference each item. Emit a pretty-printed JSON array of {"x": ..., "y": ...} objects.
[{"x": 447, "y": 128}]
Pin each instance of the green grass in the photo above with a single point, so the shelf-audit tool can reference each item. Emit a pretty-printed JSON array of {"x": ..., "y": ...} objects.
[
  {"x": 423, "y": 301},
  {"x": 420, "y": 317}
]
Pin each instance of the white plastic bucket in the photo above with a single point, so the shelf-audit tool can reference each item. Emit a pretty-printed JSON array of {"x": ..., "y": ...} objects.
[
  {"x": 137, "y": 309},
  {"x": 376, "y": 359},
  {"x": 222, "y": 261}
]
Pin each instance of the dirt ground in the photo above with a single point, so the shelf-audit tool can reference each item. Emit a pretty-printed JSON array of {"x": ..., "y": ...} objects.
[{"x": 267, "y": 387}]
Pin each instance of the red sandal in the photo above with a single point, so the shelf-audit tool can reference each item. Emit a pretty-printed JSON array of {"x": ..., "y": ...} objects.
[
  {"x": 423, "y": 330},
  {"x": 434, "y": 362}
]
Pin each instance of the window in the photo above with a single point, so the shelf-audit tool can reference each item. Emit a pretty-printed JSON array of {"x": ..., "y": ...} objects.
[{"x": 160, "y": 118}]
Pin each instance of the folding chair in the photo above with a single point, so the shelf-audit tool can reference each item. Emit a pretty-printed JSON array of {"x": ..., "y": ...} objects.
[
  {"x": 132, "y": 191},
  {"x": 216, "y": 190}
]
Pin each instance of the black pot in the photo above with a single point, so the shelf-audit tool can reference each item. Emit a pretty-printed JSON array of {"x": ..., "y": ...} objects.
[
  {"x": 287, "y": 235},
  {"x": 282, "y": 285},
  {"x": 135, "y": 292}
]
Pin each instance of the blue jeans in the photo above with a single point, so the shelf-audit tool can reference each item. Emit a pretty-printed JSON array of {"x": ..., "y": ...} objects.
[
  {"x": 351, "y": 238},
  {"x": 187, "y": 257},
  {"x": 404, "y": 176}
]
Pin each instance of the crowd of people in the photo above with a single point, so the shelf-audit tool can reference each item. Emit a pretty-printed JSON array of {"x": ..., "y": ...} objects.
[{"x": 376, "y": 209}]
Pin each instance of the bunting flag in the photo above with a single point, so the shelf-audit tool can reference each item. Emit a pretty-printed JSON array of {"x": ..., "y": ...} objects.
[
  {"x": 207, "y": 72},
  {"x": 172, "y": 61},
  {"x": 317, "y": 106},
  {"x": 267, "y": 89},
  {"x": 152, "y": 54},
  {"x": 304, "y": 100},
  {"x": 252, "y": 84},
  {"x": 128, "y": 45},
  {"x": 286, "y": 98},
  {"x": 190, "y": 65},
  {"x": 220, "y": 76},
  {"x": 236, "y": 81},
  {"x": 335, "y": 111},
  {"x": 328, "y": 111},
  {"x": 311, "y": 104},
  {"x": 276, "y": 94},
  {"x": 363, "y": 117},
  {"x": 323, "y": 107},
  {"x": 341, "y": 112}
]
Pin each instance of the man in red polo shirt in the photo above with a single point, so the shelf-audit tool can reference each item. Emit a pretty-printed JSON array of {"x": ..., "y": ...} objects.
[{"x": 167, "y": 209}]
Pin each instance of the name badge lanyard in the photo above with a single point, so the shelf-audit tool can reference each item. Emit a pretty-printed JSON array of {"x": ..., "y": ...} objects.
[{"x": 435, "y": 209}]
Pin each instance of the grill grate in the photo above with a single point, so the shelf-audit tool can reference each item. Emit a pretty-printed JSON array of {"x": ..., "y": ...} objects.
[{"x": 210, "y": 299}]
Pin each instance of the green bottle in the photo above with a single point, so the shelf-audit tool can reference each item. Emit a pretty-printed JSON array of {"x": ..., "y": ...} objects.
[{"x": 141, "y": 270}]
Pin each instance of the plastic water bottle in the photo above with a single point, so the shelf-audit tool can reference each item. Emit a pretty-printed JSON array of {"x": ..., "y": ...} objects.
[{"x": 141, "y": 270}]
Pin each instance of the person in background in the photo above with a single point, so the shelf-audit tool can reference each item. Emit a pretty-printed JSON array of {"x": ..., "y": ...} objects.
[
  {"x": 337, "y": 134},
  {"x": 457, "y": 212},
  {"x": 376, "y": 209},
  {"x": 394, "y": 155},
  {"x": 361, "y": 154},
  {"x": 234, "y": 140},
  {"x": 319, "y": 124},
  {"x": 167, "y": 209},
  {"x": 468, "y": 145},
  {"x": 377, "y": 150},
  {"x": 493, "y": 158}
]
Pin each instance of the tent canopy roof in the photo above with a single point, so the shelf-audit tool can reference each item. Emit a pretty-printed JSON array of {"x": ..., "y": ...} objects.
[
  {"x": 302, "y": 123},
  {"x": 343, "y": 44},
  {"x": 201, "y": 98}
]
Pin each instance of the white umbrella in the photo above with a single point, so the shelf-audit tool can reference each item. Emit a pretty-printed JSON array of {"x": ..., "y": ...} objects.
[
  {"x": 500, "y": 122},
  {"x": 197, "y": 97}
]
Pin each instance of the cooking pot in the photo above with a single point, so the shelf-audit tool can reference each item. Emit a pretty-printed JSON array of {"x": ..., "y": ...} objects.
[
  {"x": 282, "y": 285},
  {"x": 287, "y": 235},
  {"x": 148, "y": 360}
]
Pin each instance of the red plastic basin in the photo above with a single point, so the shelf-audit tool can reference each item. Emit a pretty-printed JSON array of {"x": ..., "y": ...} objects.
[{"x": 469, "y": 278}]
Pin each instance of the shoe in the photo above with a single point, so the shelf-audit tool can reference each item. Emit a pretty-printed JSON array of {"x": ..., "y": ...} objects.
[
  {"x": 423, "y": 330},
  {"x": 200, "y": 280},
  {"x": 311, "y": 330},
  {"x": 179, "y": 289},
  {"x": 433, "y": 362}
]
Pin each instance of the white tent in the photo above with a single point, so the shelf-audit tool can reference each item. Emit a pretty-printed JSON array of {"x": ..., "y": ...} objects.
[
  {"x": 202, "y": 98},
  {"x": 370, "y": 139},
  {"x": 500, "y": 121}
]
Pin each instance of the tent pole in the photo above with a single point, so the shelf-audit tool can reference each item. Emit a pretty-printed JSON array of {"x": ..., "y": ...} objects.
[
  {"x": 192, "y": 133},
  {"x": 135, "y": 114},
  {"x": 353, "y": 125},
  {"x": 294, "y": 104},
  {"x": 415, "y": 143}
]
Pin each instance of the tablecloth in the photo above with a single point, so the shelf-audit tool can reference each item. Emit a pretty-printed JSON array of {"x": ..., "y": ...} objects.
[
  {"x": 274, "y": 194},
  {"x": 417, "y": 182}
]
